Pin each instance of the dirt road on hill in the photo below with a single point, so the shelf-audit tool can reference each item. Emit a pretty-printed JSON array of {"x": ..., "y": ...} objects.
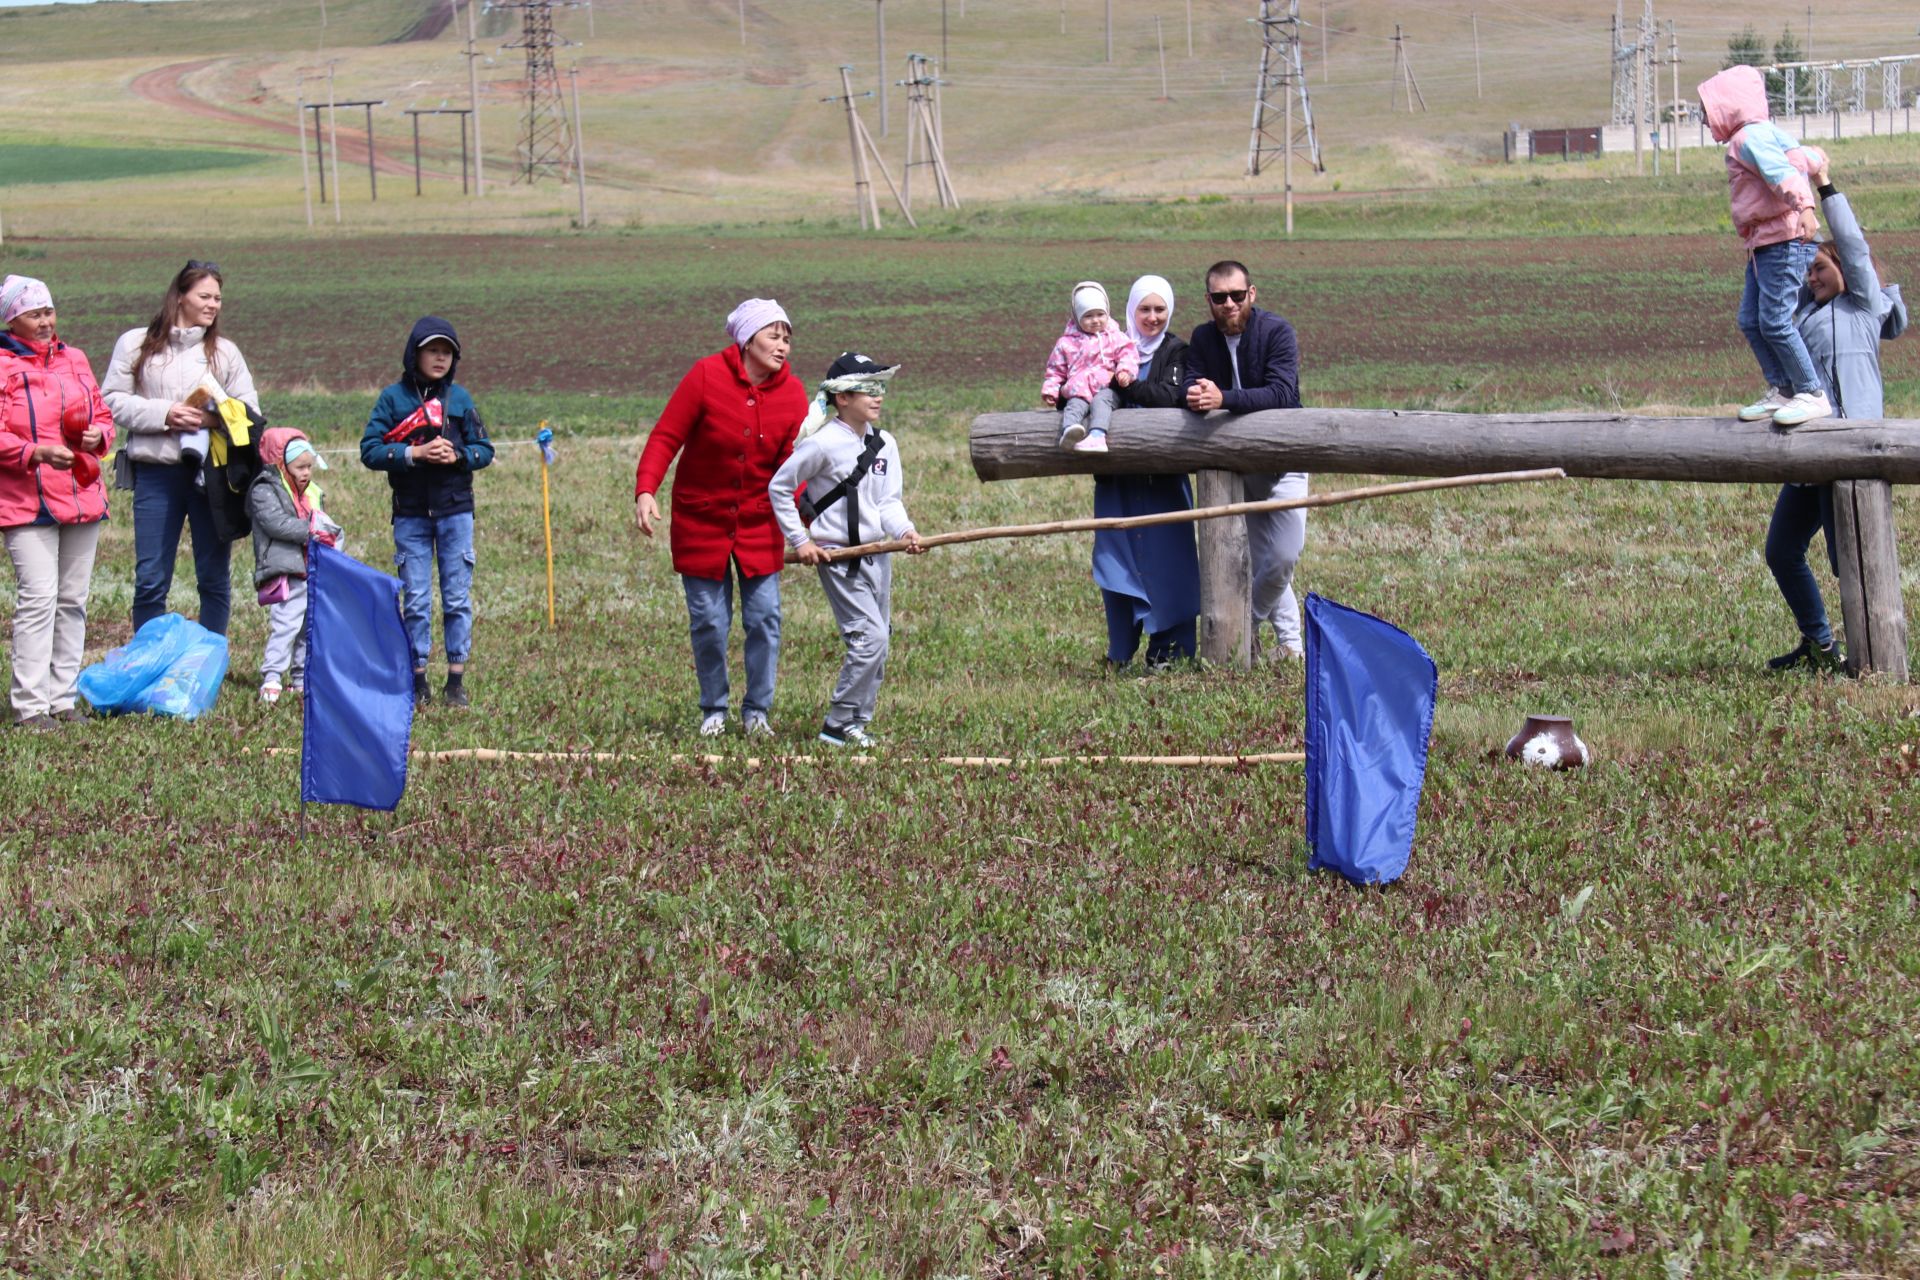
[{"x": 167, "y": 86}]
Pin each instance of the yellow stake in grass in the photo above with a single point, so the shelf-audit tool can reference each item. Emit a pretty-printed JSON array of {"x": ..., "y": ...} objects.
[{"x": 545, "y": 441}]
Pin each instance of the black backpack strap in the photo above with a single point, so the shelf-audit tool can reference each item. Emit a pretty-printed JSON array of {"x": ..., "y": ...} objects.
[{"x": 849, "y": 489}]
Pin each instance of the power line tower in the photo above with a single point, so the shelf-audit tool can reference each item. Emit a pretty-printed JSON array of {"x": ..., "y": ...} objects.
[
  {"x": 1623, "y": 72},
  {"x": 1277, "y": 129},
  {"x": 546, "y": 136}
]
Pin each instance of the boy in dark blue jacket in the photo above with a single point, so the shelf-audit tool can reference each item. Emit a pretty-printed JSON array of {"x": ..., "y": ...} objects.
[{"x": 426, "y": 434}]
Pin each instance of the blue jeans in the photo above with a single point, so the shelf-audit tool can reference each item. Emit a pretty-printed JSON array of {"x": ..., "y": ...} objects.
[
  {"x": 710, "y": 617},
  {"x": 1799, "y": 512},
  {"x": 417, "y": 541},
  {"x": 1775, "y": 273},
  {"x": 165, "y": 497}
]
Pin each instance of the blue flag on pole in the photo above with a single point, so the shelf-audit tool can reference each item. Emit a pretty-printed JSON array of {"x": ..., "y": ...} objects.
[
  {"x": 1371, "y": 690},
  {"x": 359, "y": 685}
]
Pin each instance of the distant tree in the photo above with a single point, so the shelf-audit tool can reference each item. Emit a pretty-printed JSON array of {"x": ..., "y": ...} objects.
[{"x": 1745, "y": 49}]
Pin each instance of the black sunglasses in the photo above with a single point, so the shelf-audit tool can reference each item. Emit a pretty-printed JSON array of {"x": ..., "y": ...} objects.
[
  {"x": 1219, "y": 297},
  {"x": 194, "y": 264}
]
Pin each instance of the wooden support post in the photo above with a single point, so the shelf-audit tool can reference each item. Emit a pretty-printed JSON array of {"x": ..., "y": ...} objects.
[
  {"x": 1876, "y": 620},
  {"x": 373, "y": 181},
  {"x": 416, "y": 154},
  {"x": 1226, "y": 574}
]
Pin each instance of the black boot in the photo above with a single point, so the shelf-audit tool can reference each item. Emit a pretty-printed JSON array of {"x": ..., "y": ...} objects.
[
  {"x": 456, "y": 690},
  {"x": 1798, "y": 657},
  {"x": 422, "y": 692}
]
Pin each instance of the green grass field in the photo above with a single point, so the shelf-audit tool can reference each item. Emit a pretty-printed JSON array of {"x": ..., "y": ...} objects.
[
  {"x": 52, "y": 163},
  {"x": 641, "y": 1017}
]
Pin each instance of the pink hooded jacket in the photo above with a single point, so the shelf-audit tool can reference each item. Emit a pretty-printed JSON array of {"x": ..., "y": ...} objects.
[
  {"x": 1766, "y": 167},
  {"x": 1082, "y": 365}
]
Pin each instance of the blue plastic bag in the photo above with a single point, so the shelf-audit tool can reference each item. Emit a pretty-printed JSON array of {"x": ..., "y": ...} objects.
[{"x": 171, "y": 667}]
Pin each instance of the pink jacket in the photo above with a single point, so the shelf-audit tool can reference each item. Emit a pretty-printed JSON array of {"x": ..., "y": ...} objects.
[
  {"x": 47, "y": 396},
  {"x": 1083, "y": 364},
  {"x": 1766, "y": 167}
]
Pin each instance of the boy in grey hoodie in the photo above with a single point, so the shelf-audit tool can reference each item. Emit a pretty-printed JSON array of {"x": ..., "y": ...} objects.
[{"x": 850, "y": 469}]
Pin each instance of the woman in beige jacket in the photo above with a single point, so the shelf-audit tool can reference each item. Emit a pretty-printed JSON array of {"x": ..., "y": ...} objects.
[{"x": 153, "y": 372}]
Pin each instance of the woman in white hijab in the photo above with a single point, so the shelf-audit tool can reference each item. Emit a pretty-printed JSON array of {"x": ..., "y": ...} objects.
[{"x": 1149, "y": 578}]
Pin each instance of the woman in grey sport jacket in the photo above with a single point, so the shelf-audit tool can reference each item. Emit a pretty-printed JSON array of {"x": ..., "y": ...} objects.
[{"x": 1846, "y": 310}]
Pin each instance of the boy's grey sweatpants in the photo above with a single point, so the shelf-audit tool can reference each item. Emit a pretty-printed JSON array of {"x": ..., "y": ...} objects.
[
  {"x": 1096, "y": 413},
  {"x": 863, "y": 606},
  {"x": 1274, "y": 542},
  {"x": 287, "y": 633}
]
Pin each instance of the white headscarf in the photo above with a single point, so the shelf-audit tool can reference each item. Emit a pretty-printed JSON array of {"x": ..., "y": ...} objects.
[
  {"x": 1142, "y": 287},
  {"x": 751, "y": 316}
]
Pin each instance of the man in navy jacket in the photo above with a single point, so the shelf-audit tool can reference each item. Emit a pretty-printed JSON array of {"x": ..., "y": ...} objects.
[{"x": 1242, "y": 360}]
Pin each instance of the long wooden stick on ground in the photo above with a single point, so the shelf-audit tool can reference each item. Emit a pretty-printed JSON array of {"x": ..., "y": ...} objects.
[
  {"x": 1199, "y": 513},
  {"x": 491, "y": 755}
]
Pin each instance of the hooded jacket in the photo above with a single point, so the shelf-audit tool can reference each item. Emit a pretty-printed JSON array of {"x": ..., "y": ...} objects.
[
  {"x": 1843, "y": 334},
  {"x": 1766, "y": 167},
  {"x": 730, "y": 435},
  {"x": 167, "y": 379},
  {"x": 47, "y": 395},
  {"x": 280, "y": 532},
  {"x": 426, "y": 488},
  {"x": 1082, "y": 365}
]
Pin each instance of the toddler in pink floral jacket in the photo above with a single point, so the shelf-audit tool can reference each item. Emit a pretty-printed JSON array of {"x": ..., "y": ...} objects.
[{"x": 1092, "y": 357}]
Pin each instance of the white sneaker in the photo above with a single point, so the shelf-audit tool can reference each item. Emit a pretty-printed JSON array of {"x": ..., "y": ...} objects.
[
  {"x": 853, "y": 735},
  {"x": 270, "y": 692},
  {"x": 1073, "y": 435},
  {"x": 1096, "y": 442},
  {"x": 1765, "y": 407},
  {"x": 714, "y": 725},
  {"x": 1802, "y": 409},
  {"x": 757, "y": 726}
]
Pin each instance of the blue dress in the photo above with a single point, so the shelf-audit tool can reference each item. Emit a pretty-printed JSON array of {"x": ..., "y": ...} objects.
[{"x": 1149, "y": 579}]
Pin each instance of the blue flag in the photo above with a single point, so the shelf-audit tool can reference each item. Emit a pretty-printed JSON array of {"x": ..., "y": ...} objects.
[
  {"x": 1371, "y": 689},
  {"x": 359, "y": 685}
]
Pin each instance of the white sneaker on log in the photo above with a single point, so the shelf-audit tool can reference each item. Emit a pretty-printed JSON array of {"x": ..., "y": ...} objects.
[
  {"x": 1765, "y": 407},
  {"x": 1802, "y": 409}
]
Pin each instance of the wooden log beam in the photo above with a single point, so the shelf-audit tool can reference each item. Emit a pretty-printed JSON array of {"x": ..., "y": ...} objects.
[{"x": 1011, "y": 446}]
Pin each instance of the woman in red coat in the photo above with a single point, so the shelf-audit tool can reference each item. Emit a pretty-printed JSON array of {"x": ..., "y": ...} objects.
[
  {"x": 733, "y": 420},
  {"x": 54, "y": 428}
]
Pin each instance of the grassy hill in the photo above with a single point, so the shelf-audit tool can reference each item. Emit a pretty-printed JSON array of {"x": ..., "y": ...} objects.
[{"x": 685, "y": 121}]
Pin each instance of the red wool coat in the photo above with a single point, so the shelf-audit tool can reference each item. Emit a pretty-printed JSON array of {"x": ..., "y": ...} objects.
[
  {"x": 47, "y": 396},
  {"x": 734, "y": 436}
]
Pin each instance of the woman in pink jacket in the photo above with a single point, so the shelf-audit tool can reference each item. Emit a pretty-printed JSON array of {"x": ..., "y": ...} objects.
[{"x": 54, "y": 428}]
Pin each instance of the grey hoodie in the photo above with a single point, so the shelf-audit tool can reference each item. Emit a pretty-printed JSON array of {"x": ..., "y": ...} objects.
[{"x": 1843, "y": 335}]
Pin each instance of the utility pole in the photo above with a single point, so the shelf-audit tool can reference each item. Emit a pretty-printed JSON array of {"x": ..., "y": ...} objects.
[
  {"x": 1325, "y": 72},
  {"x": 1808, "y": 55},
  {"x": 1477, "y": 92},
  {"x": 1282, "y": 78},
  {"x": 1640, "y": 93},
  {"x": 333, "y": 141},
  {"x": 579, "y": 148},
  {"x": 861, "y": 143},
  {"x": 1189, "y": 30},
  {"x": 1160, "y": 40},
  {"x": 923, "y": 133},
  {"x": 473, "y": 100},
  {"x": 743, "y": 24},
  {"x": 300, "y": 123},
  {"x": 1402, "y": 81},
  {"x": 1109, "y": 31},
  {"x": 880, "y": 39},
  {"x": 1653, "y": 75},
  {"x": 1673, "y": 60}
]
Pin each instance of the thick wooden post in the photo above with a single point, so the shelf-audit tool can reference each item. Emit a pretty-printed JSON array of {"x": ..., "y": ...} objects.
[
  {"x": 1870, "y": 578},
  {"x": 1226, "y": 574}
]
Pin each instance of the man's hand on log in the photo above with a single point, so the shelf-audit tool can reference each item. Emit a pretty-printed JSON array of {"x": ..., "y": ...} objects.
[{"x": 1203, "y": 396}]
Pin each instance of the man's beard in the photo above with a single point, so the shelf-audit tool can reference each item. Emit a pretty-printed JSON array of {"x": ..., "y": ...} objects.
[{"x": 1235, "y": 327}]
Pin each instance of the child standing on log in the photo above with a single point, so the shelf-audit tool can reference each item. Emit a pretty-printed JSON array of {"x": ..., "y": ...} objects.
[
  {"x": 850, "y": 469},
  {"x": 1846, "y": 309},
  {"x": 1773, "y": 212},
  {"x": 1092, "y": 358}
]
